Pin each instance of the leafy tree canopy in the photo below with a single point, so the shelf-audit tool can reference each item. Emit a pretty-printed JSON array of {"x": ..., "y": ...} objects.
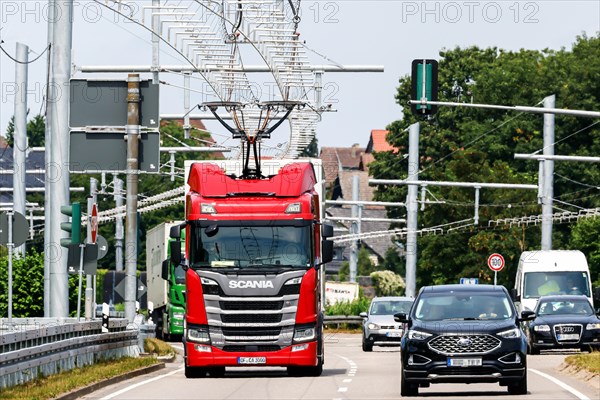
[{"x": 478, "y": 145}]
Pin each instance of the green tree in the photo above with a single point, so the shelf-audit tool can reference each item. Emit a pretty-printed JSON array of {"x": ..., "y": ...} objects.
[
  {"x": 478, "y": 145},
  {"x": 36, "y": 131},
  {"x": 584, "y": 237},
  {"x": 27, "y": 287}
]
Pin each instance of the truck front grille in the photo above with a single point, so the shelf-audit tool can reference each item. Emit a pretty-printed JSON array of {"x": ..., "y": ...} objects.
[
  {"x": 464, "y": 344},
  {"x": 251, "y": 318},
  {"x": 251, "y": 348},
  {"x": 251, "y": 305},
  {"x": 250, "y": 332}
]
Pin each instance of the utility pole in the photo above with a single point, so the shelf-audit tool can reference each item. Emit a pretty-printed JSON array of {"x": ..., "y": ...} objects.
[
  {"x": 89, "y": 287},
  {"x": 412, "y": 210},
  {"x": 548, "y": 179},
  {"x": 355, "y": 229},
  {"x": 133, "y": 132},
  {"x": 48, "y": 222},
  {"x": 57, "y": 172},
  {"x": 118, "y": 190},
  {"x": 20, "y": 135}
]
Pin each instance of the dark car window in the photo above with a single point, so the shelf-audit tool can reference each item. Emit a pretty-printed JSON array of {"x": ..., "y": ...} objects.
[
  {"x": 559, "y": 307},
  {"x": 462, "y": 306}
]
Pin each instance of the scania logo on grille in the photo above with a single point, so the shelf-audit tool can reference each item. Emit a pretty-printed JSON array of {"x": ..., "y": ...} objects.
[
  {"x": 565, "y": 329},
  {"x": 251, "y": 284},
  {"x": 464, "y": 342}
]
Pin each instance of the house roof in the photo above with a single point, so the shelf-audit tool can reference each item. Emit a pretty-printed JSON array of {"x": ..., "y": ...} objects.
[
  {"x": 346, "y": 178},
  {"x": 378, "y": 245},
  {"x": 378, "y": 141},
  {"x": 340, "y": 158}
]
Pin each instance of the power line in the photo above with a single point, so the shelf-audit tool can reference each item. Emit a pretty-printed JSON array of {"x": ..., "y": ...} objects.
[{"x": 24, "y": 62}]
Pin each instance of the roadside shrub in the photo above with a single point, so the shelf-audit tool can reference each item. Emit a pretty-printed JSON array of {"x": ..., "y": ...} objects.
[{"x": 387, "y": 283}]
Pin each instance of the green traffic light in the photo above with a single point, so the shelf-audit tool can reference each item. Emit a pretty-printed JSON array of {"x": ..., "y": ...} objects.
[{"x": 73, "y": 227}]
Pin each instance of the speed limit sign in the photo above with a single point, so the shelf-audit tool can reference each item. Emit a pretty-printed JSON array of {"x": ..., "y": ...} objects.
[{"x": 496, "y": 262}]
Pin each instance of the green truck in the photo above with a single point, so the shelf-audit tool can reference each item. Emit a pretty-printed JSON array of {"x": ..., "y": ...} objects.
[{"x": 166, "y": 283}]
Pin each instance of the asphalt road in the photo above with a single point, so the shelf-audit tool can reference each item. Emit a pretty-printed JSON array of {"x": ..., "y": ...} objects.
[{"x": 349, "y": 374}]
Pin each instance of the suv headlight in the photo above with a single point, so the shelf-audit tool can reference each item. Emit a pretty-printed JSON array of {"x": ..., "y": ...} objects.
[
  {"x": 541, "y": 328},
  {"x": 198, "y": 335},
  {"x": 590, "y": 327},
  {"x": 418, "y": 335},
  {"x": 304, "y": 334},
  {"x": 513, "y": 333},
  {"x": 371, "y": 325}
]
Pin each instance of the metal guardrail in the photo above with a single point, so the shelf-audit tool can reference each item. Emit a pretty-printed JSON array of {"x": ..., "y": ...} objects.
[
  {"x": 32, "y": 347},
  {"x": 343, "y": 319}
]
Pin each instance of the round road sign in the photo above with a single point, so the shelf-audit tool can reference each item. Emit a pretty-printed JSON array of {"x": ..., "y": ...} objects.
[{"x": 496, "y": 262}]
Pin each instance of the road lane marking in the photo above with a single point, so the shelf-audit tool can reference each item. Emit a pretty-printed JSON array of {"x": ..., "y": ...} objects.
[
  {"x": 343, "y": 389},
  {"x": 127, "y": 389},
  {"x": 563, "y": 385},
  {"x": 347, "y": 381}
]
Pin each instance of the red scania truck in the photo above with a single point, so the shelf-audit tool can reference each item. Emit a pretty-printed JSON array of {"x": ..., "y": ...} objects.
[{"x": 255, "y": 249}]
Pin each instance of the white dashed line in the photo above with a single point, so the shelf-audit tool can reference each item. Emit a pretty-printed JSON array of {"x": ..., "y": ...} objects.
[
  {"x": 343, "y": 389},
  {"x": 347, "y": 381},
  {"x": 563, "y": 385}
]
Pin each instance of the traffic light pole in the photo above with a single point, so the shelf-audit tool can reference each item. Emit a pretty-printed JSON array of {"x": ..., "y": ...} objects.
[
  {"x": 81, "y": 252},
  {"x": 133, "y": 131}
]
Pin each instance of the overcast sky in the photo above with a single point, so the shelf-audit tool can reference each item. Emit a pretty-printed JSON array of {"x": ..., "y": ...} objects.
[{"x": 387, "y": 33}]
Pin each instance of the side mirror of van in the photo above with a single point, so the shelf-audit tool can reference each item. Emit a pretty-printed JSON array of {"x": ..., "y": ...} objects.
[
  {"x": 514, "y": 296},
  {"x": 597, "y": 294},
  {"x": 363, "y": 315}
]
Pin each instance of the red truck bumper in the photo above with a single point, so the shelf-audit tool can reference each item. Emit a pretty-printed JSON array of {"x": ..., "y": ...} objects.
[{"x": 199, "y": 356}]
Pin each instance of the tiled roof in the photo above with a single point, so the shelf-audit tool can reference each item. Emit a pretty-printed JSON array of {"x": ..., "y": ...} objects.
[
  {"x": 340, "y": 158},
  {"x": 365, "y": 192},
  {"x": 378, "y": 142}
]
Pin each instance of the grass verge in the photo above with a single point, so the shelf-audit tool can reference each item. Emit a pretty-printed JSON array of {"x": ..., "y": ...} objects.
[
  {"x": 55, "y": 385},
  {"x": 588, "y": 361}
]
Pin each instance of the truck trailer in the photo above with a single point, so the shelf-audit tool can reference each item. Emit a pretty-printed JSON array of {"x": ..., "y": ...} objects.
[
  {"x": 165, "y": 282},
  {"x": 255, "y": 251}
]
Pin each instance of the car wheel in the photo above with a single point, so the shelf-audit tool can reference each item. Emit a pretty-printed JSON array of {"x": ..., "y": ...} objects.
[
  {"x": 366, "y": 346},
  {"x": 518, "y": 387},
  {"x": 407, "y": 389}
]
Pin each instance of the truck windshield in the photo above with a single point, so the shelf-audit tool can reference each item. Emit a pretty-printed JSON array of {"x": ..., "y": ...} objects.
[
  {"x": 462, "y": 306},
  {"x": 536, "y": 284},
  {"x": 253, "y": 246}
]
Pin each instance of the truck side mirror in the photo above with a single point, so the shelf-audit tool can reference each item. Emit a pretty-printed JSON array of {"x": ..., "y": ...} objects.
[
  {"x": 327, "y": 231},
  {"x": 175, "y": 232},
  {"x": 175, "y": 247},
  {"x": 164, "y": 273},
  {"x": 514, "y": 296},
  {"x": 326, "y": 251}
]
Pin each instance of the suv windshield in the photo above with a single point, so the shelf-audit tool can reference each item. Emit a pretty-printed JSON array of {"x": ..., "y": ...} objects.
[
  {"x": 390, "y": 307},
  {"x": 462, "y": 306},
  {"x": 252, "y": 246}
]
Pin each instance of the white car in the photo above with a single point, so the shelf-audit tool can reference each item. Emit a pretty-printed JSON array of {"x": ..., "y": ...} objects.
[{"x": 379, "y": 327}]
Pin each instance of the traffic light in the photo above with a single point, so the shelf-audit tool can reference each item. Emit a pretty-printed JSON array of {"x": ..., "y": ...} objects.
[
  {"x": 73, "y": 227},
  {"x": 424, "y": 85}
]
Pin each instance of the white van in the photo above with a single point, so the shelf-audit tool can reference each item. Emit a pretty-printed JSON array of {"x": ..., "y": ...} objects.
[{"x": 547, "y": 272}]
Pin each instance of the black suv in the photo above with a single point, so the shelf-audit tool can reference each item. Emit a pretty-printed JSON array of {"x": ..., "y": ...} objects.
[{"x": 463, "y": 334}]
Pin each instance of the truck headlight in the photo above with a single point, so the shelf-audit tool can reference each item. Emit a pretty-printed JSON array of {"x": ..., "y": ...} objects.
[
  {"x": 418, "y": 335},
  {"x": 198, "y": 335},
  {"x": 294, "y": 281},
  {"x": 513, "y": 333},
  {"x": 304, "y": 334},
  {"x": 541, "y": 328},
  {"x": 590, "y": 327}
]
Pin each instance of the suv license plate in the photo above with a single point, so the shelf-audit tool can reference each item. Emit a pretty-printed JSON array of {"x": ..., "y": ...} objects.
[
  {"x": 464, "y": 362},
  {"x": 394, "y": 334},
  {"x": 252, "y": 360}
]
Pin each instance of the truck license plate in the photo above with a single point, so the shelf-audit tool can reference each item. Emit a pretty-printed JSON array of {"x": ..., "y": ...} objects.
[
  {"x": 464, "y": 362},
  {"x": 252, "y": 360}
]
